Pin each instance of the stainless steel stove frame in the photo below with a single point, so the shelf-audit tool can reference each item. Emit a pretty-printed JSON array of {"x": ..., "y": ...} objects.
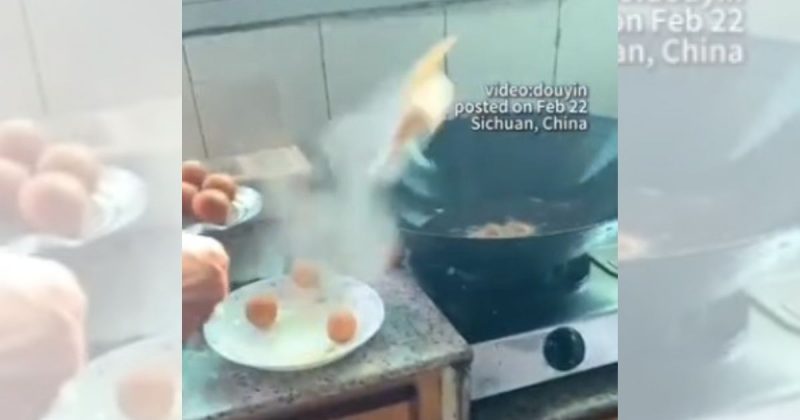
[{"x": 544, "y": 354}]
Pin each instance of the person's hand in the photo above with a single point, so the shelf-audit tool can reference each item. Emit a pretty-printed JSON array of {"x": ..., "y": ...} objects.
[
  {"x": 42, "y": 334},
  {"x": 205, "y": 280}
]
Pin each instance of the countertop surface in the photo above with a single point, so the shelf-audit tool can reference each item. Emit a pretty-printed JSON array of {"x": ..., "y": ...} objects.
[
  {"x": 588, "y": 395},
  {"x": 415, "y": 337}
]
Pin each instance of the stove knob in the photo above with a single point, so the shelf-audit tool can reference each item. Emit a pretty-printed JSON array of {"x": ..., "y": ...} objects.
[{"x": 564, "y": 349}]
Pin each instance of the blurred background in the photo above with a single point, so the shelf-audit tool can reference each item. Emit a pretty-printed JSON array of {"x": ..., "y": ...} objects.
[
  {"x": 106, "y": 74},
  {"x": 709, "y": 153}
]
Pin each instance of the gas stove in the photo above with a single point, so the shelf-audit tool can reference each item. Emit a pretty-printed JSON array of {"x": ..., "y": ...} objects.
[
  {"x": 525, "y": 336},
  {"x": 735, "y": 358}
]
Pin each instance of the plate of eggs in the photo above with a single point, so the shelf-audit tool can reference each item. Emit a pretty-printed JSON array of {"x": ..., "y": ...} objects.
[
  {"x": 59, "y": 194},
  {"x": 305, "y": 320},
  {"x": 139, "y": 381},
  {"x": 214, "y": 201}
]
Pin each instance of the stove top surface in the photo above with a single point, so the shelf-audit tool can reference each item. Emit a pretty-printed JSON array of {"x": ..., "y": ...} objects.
[{"x": 489, "y": 314}]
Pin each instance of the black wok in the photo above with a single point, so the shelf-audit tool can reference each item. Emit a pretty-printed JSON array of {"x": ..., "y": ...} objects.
[{"x": 493, "y": 177}]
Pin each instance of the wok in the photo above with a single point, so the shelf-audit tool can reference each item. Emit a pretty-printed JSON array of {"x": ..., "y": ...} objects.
[
  {"x": 492, "y": 177},
  {"x": 708, "y": 185},
  {"x": 691, "y": 248}
]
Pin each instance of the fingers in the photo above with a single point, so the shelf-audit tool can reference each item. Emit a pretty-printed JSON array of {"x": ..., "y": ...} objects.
[
  {"x": 205, "y": 280},
  {"x": 42, "y": 334}
]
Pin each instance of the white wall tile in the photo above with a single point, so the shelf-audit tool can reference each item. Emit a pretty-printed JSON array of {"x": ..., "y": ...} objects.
[
  {"x": 192, "y": 139},
  {"x": 588, "y": 51},
  {"x": 199, "y": 14},
  {"x": 258, "y": 89},
  {"x": 19, "y": 95},
  {"x": 99, "y": 53},
  {"x": 776, "y": 19},
  {"x": 363, "y": 52},
  {"x": 501, "y": 42}
]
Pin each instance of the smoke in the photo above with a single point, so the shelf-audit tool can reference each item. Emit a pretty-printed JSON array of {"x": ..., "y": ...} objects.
[
  {"x": 348, "y": 226},
  {"x": 781, "y": 108}
]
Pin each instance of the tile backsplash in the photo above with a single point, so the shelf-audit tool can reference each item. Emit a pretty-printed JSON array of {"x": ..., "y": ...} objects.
[
  {"x": 266, "y": 87},
  {"x": 257, "y": 88},
  {"x": 360, "y": 54},
  {"x": 501, "y": 42},
  {"x": 60, "y": 57},
  {"x": 590, "y": 56},
  {"x": 18, "y": 78}
]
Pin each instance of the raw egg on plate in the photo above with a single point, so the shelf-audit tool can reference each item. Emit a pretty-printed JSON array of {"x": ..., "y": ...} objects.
[
  {"x": 305, "y": 274},
  {"x": 262, "y": 311},
  {"x": 148, "y": 394},
  {"x": 342, "y": 326}
]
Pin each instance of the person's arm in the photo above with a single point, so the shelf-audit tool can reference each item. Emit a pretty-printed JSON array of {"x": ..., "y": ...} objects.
[
  {"x": 42, "y": 334},
  {"x": 205, "y": 280}
]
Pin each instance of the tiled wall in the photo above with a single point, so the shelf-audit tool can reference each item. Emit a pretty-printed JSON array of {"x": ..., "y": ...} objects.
[
  {"x": 61, "y": 57},
  {"x": 18, "y": 78},
  {"x": 265, "y": 87},
  {"x": 271, "y": 86}
]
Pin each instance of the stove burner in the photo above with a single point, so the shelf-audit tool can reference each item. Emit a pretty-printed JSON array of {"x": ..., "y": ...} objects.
[
  {"x": 561, "y": 279},
  {"x": 485, "y": 308}
]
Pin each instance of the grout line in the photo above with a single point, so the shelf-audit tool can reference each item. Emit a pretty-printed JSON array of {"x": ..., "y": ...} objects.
[
  {"x": 34, "y": 57},
  {"x": 264, "y": 23},
  {"x": 194, "y": 102},
  {"x": 324, "y": 69},
  {"x": 557, "y": 42},
  {"x": 446, "y": 30}
]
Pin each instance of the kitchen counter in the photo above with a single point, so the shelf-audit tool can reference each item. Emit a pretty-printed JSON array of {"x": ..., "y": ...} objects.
[
  {"x": 415, "y": 338},
  {"x": 589, "y": 395}
]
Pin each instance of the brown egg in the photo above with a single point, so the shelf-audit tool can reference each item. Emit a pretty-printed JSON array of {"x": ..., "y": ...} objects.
[
  {"x": 342, "y": 326},
  {"x": 188, "y": 193},
  {"x": 305, "y": 274},
  {"x": 74, "y": 159},
  {"x": 222, "y": 182},
  {"x": 21, "y": 141},
  {"x": 211, "y": 206},
  {"x": 12, "y": 176},
  {"x": 193, "y": 172},
  {"x": 54, "y": 203},
  {"x": 148, "y": 394},
  {"x": 262, "y": 311}
]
